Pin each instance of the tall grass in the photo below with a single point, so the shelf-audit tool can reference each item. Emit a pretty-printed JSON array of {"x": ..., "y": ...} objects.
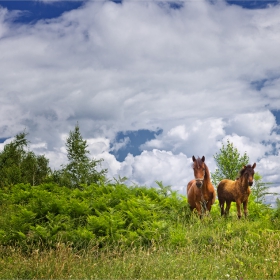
[{"x": 207, "y": 249}]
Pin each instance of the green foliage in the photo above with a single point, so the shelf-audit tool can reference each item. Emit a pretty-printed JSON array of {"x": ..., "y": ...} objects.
[
  {"x": 114, "y": 231},
  {"x": 80, "y": 169},
  {"x": 98, "y": 213},
  {"x": 18, "y": 165},
  {"x": 229, "y": 162},
  {"x": 259, "y": 210},
  {"x": 105, "y": 215}
]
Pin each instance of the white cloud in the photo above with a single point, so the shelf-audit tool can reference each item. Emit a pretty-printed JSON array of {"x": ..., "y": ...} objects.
[
  {"x": 254, "y": 150},
  {"x": 197, "y": 137},
  {"x": 164, "y": 60},
  {"x": 178, "y": 132},
  {"x": 269, "y": 167},
  {"x": 7, "y": 141},
  {"x": 99, "y": 148},
  {"x": 158, "y": 165},
  {"x": 258, "y": 126},
  {"x": 139, "y": 65}
]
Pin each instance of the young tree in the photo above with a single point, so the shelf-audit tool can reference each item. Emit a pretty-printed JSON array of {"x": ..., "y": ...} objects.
[
  {"x": 19, "y": 165},
  {"x": 229, "y": 162},
  {"x": 80, "y": 169},
  {"x": 35, "y": 169}
]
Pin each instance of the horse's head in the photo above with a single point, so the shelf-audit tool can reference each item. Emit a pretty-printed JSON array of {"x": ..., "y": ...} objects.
[
  {"x": 248, "y": 173},
  {"x": 199, "y": 170}
]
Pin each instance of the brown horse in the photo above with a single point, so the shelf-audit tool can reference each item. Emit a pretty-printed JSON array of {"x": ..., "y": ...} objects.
[
  {"x": 200, "y": 191},
  {"x": 236, "y": 191}
]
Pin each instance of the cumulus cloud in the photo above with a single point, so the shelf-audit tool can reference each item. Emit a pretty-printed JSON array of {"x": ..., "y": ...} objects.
[
  {"x": 258, "y": 126},
  {"x": 254, "y": 150},
  {"x": 197, "y": 137},
  {"x": 165, "y": 59},
  {"x": 269, "y": 166},
  {"x": 158, "y": 165},
  {"x": 203, "y": 73}
]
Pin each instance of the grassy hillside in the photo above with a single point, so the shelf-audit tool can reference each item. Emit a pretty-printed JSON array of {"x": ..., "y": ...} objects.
[{"x": 112, "y": 231}]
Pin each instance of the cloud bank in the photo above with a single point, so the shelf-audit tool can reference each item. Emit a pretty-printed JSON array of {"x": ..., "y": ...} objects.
[{"x": 203, "y": 73}]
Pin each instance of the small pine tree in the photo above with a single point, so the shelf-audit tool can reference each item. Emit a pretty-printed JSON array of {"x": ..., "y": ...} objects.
[{"x": 80, "y": 169}]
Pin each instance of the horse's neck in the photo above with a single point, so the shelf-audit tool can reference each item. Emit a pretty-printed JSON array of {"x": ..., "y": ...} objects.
[
  {"x": 243, "y": 183},
  {"x": 204, "y": 189},
  {"x": 206, "y": 178},
  {"x": 205, "y": 185}
]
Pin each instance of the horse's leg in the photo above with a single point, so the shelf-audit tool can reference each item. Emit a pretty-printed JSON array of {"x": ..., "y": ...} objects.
[
  {"x": 238, "y": 206},
  {"x": 245, "y": 204},
  {"x": 222, "y": 207},
  {"x": 227, "y": 207},
  {"x": 198, "y": 208},
  {"x": 209, "y": 205}
]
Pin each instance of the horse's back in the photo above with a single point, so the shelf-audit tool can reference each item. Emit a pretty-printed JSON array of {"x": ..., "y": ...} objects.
[
  {"x": 225, "y": 189},
  {"x": 225, "y": 183}
]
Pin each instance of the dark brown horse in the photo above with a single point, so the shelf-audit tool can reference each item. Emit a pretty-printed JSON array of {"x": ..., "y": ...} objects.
[
  {"x": 236, "y": 191},
  {"x": 200, "y": 191}
]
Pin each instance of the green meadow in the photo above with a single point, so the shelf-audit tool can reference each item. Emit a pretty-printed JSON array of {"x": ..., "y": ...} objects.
[{"x": 113, "y": 231}]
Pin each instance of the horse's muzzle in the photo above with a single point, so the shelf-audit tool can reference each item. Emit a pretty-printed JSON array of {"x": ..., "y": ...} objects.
[{"x": 199, "y": 183}]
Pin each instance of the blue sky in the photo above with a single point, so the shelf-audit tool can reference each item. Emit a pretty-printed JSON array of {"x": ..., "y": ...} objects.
[
  {"x": 151, "y": 83},
  {"x": 134, "y": 141},
  {"x": 36, "y": 10}
]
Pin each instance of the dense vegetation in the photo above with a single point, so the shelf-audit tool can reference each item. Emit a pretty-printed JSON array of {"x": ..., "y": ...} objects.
[
  {"x": 99, "y": 214},
  {"x": 74, "y": 223}
]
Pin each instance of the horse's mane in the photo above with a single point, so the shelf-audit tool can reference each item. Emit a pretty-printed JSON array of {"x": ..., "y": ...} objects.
[
  {"x": 242, "y": 171},
  {"x": 199, "y": 162}
]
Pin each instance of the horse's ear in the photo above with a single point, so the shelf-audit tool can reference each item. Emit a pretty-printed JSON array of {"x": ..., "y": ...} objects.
[
  {"x": 203, "y": 159},
  {"x": 244, "y": 166},
  {"x": 254, "y": 165},
  {"x": 193, "y": 159}
]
